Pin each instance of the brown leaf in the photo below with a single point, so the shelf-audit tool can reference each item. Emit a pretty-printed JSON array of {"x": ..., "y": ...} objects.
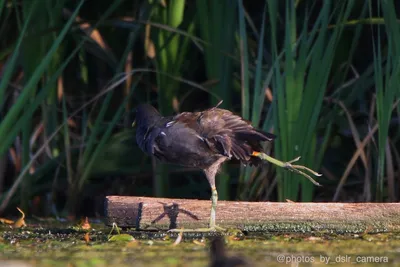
[
  {"x": 268, "y": 94},
  {"x": 93, "y": 33},
  {"x": 16, "y": 159},
  {"x": 21, "y": 221},
  {"x": 60, "y": 88},
  {"x": 6, "y": 221},
  {"x": 85, "y": 224},
  {"x": 148, "y": 43},
  {"x": 86, "y": 238}
]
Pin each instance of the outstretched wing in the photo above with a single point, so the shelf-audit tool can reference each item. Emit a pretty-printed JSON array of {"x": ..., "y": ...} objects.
[{"x": 226, "y": 133}]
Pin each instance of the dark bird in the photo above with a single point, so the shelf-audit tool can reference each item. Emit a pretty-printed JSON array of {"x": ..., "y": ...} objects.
[
  {"x": 201, "y": 140},
  {"x": 219, "y": 257}
]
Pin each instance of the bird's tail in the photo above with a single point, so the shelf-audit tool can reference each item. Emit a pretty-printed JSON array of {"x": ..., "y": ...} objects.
[
  {"x": 233, "y": 135},
  {"x": 245, "y": 143}
]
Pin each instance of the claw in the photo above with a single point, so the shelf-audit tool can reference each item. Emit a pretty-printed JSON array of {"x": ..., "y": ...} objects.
[{"x": 289, "y": 166}]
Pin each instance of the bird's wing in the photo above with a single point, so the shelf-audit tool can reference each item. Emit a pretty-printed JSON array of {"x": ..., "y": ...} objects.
[{"x": 225, "y": 132}]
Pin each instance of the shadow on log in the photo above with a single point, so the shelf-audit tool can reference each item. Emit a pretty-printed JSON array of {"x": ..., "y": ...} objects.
[{"x": 162, "y": 213}]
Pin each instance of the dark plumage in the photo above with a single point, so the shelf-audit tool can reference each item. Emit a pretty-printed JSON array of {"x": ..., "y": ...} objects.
[
  {"x": 202, "y": 140},
  {"x": 198, "y": 139},
  {"x": 219, "y": 257}
]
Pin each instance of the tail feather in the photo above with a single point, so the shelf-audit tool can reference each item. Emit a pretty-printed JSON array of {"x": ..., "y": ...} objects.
[
  {"x": 244, "y": 143},
  {"x": 226, "y": 133},
  {"x": 254, "y": 135},
  {"x": 241, "y": 151},
  {"x": 244, "y": 138}
]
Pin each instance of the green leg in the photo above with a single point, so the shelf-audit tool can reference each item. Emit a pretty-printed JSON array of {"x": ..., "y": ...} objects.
[
  {"x": 214, "y": 200},
  {"x": 212, "y": 226}
]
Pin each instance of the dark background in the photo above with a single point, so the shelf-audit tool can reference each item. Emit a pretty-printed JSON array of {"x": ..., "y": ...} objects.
[{"x": 70, "y": 84}]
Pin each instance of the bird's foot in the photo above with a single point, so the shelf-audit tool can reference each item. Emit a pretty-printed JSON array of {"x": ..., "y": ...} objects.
[
  {"x": 299, "y": 169},
  {"x": 198, "y": 230}
]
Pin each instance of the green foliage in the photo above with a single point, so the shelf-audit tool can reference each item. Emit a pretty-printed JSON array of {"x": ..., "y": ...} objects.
[
  {"x": 387, "y": 80},
  {"x": 72, "y": 72},
  {"x": 171, "y": 49},
  {"x": 19, "y": 116},
  {"x": 299, "y": 91},
  {"x": 213, "y": 20}
]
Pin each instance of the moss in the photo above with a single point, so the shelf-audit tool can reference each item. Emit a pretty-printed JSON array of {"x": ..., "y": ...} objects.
[
  {"x": 307, "y": 227},
  {"x": 52, "y": 245}
]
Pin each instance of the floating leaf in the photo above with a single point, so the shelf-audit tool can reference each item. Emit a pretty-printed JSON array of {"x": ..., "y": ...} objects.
[
  {"x": 121, "y": 238},
  {"x": 114, "y": 226}
]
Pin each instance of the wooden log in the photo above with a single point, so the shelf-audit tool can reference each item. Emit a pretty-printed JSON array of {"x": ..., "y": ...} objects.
[{"x": 165, "y": 213}]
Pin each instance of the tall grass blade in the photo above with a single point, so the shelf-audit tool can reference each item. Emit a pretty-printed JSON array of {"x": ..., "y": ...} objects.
[
  {"x": 297, "y": 97},
  {"x": 387, "y": 78},
  {"x": 212, "y": 20},
  {"x": 30, "y": 86}
]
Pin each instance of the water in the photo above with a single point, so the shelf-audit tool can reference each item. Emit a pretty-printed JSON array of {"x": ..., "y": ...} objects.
[{"x": 60, "y": 244}]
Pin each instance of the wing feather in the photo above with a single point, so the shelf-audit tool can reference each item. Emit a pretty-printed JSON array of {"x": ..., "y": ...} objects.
[{"x": 226, "y": 133}]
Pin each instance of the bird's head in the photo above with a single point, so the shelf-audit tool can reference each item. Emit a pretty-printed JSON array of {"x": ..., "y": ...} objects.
[{"x": 146, "y": 116}]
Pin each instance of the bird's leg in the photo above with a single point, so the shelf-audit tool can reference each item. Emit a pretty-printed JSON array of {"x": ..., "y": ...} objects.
[
  {"x": 210, "y": 173},
  {"x": 214, "y": 200},
  {"x": 212, "y": 226}
]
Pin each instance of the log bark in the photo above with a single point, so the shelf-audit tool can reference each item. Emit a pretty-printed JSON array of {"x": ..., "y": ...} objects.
[{"x": 165, "y": 213}]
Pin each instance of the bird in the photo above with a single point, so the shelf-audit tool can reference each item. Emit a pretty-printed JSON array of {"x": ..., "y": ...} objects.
[
  {"x": 203, "y": 140},
  {"x": 219, "y": 257}
]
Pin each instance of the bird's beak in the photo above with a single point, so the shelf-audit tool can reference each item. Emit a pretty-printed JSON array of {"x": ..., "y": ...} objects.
[{"x": 134, "y": 123}]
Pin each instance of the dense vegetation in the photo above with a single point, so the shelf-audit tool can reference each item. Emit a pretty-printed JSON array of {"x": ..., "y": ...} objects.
[{"x": 322, "y": 75}]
